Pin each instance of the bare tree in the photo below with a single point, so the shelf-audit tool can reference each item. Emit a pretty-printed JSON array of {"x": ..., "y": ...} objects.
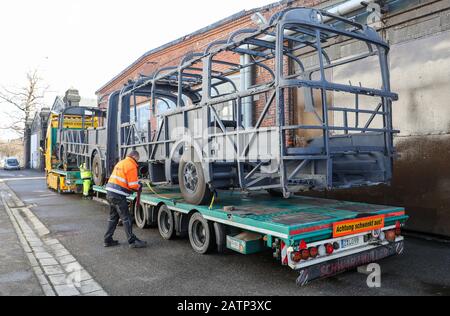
[
  {"x": 11, "y": 149},
  {"x": 25, "y": 102}
]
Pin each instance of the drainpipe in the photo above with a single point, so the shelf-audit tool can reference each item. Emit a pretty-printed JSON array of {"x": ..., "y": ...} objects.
[
  {"x": 246, "y": 73},
  {"x": 246, "y": 83},
  {"x": 348, "y": 7}
]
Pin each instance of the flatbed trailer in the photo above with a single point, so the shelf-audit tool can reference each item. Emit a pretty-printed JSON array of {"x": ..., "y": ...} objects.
[{"x": 317, "y": 237}]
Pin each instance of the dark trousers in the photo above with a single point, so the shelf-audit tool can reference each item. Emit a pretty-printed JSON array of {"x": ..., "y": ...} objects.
[{"x": 119, "y": 210}]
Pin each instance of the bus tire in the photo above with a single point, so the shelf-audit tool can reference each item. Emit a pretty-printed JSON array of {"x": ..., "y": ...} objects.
[
  {"x": 98, "y": 173},
  {"x": 191, "y": 179}
]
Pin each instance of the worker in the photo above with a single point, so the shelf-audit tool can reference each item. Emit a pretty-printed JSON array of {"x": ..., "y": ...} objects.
[
  {"x": 86, "y": 176},
  {"x": 122, "y": 183}
]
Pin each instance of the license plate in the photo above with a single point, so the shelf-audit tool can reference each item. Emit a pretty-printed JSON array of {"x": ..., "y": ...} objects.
[{"x": 351, "y": 242}]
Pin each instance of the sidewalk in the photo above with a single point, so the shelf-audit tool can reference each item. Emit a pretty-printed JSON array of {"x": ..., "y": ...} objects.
[
  {"x": 56, "y": 270},
  {"x": 16, "y": 274}
]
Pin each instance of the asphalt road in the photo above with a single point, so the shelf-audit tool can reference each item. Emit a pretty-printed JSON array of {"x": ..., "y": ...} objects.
[{"x": 172, "y": 268}]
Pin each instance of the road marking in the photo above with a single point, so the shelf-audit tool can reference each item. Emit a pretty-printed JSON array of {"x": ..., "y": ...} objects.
[
  {"x": 21, "y": 179},
  {"x": 57, "y": 271}
]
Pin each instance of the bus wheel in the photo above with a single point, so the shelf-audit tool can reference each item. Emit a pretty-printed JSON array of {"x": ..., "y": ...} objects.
[
  {"x": 201, "y": 234},
  {"x": 98, "y": 173},
  {"x": 166, "y": 223},
  {"x": 191, "y": 179}
]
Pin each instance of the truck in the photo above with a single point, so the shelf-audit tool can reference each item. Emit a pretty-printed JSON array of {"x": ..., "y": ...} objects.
[
  {"x": 62, "y": 172},
  {"x": 228, "y": 181}
]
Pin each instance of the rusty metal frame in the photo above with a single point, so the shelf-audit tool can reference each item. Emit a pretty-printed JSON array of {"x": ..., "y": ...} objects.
[{"x": 303, "y": 28}]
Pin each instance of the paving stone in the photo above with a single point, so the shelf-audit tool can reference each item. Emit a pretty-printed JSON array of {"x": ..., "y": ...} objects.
[
  {"x": 32, "y": 259},
  {"x": 57, "y": 246},
  {"x": 58, "y": 279},
  {"x": 42, "y": 279},
  {"x": 66, "y": 290},
  {"x": 50, "y": 242},
  {"x": 34, "y": 244},
  {"x": 39, "y": 249},
  {"x": 67, "y": 259},
  {"x": 48, "y": 262},
  {"x": 53, "y": 270},
  {"x": 43, "y": 255},
  {"x": 97, "y": 293},
  {"x": 48, "y": 290},
  {"x": 89, "y": 286},
  {"x": 61, "y": 253}
]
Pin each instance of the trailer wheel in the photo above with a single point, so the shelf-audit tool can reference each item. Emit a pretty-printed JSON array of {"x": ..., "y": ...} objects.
[
  {"x": 166, "y": 223},
  {"x": 191, "y": 179},
  {"x": 97, "y": 170},
  {"x": 201, "y": 234},
  {"x": 141, "y": 216}
]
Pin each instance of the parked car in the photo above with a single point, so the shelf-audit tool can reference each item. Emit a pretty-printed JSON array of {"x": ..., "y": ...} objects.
[{"x": 11, "y": 164}]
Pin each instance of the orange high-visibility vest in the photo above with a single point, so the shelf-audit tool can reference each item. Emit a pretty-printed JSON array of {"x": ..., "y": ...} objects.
[{"x": 124, "y": 179}]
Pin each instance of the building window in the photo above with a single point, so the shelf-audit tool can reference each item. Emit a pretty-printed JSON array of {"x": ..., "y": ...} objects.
[{"x": 143, "y": 116}]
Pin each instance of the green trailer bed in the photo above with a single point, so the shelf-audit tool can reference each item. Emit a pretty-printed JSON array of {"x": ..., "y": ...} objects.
[
  {"x": 305, "y": 233},
  {"x": 297, "y": 218}
]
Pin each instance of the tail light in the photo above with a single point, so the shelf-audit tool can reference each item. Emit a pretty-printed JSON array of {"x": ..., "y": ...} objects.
[
  {"x": 296, "y": 256},
  {"x": 398, "y": 229},
  {"x": 303, "y": 245},
  {"x": 305, "y": 254},
  {"x": 330, "y": 249},
  {"x": 313, "y": 252},
  {"x": 390, "y": 235},
  {"x": 336, "y": 246}
]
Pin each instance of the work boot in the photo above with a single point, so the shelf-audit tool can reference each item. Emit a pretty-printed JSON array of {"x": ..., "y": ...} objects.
[
  {"x": 111, "y": 243},
  {"x": 138, "y": 244}
]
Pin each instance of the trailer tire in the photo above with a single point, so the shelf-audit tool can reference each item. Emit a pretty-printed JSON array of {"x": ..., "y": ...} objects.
[
  {"x": 141, "y": 216},
  {"x": 98, "y": 173},
  {"x": 166, "y": 223},
  {"x": 221, "y": 237},
  {"x": 201, "y": 234},
  {"x": 191, "y": 179}
]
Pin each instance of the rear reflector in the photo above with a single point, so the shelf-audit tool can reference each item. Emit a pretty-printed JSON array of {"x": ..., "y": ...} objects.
[{"x": 296, "y": 256}]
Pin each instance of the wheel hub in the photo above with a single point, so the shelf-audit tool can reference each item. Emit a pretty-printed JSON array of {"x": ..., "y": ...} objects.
[
  {"x": 190, "y": 177},
  {"x": 199, "y": 235}
]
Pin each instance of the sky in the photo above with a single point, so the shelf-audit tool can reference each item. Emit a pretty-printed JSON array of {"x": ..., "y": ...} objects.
[{"x": 83, "y": 44}]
